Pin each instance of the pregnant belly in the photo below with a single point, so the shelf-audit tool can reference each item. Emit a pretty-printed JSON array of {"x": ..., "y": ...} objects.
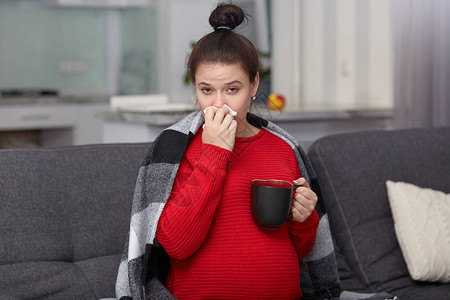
[{"x": 248, "y": 269}]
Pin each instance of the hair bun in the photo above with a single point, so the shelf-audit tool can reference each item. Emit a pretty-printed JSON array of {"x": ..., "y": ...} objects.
[{"x": 227, "y": 15}]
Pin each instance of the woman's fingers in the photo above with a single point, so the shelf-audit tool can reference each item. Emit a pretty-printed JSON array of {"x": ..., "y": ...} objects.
[
  {"x": 220, "y": 128},
  {"x": 304, "y": 201}
]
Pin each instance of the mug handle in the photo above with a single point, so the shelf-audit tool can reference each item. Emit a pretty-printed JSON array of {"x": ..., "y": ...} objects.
[{"x": 294, "y": 187}]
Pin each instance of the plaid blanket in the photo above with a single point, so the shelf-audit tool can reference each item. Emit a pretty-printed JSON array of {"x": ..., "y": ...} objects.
[{"x": 144, "y": 265}]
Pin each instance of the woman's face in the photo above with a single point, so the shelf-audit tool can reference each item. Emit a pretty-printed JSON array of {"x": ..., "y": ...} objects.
[{"x": 217, "y": 84}]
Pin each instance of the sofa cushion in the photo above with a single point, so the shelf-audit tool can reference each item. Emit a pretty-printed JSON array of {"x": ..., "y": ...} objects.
[
  {"x": 64, "y": 219},
  {"x": 352, "y": 170},
  {"x": 422, "y": 226},
  {"x": 50, "y": 280},
  {"x": 100, "y": 270}
]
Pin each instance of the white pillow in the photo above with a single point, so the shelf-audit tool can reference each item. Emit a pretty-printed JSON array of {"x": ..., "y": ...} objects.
[{"x": 422, "y": 225}]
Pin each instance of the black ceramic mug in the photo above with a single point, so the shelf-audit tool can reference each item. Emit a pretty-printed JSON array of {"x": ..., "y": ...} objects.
[{"x": 271, "y": 202}]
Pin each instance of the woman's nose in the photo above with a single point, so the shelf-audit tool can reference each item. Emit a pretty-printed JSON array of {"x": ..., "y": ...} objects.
[{"x": 219, "y": 100}]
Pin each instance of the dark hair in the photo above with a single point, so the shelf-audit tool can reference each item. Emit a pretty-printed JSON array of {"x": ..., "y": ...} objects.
[{"x": 223, "y": 45}]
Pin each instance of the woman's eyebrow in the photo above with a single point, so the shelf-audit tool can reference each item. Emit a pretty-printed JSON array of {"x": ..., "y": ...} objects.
[
  {"x": 234, "y": 82},
  {"x": 227, "y": 83}
]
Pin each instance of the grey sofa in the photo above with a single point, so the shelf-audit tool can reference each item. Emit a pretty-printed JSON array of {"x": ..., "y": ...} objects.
[
  {"x": 352, "y": 170},
  {"x": 65, "y": 212}
]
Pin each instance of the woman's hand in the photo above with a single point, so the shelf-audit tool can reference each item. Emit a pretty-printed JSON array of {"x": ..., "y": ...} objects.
[
  {"x": 304, "y": 201},
  {"x": 220, "y": 128}
]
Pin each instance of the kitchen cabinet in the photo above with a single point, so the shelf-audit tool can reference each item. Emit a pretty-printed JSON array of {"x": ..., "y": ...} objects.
[
  {"x": 61, "y": 124},
  {"x": 89, "y": 127},
  {"x": 99, "y": 3},
  {"x": 16, "y": 117}
]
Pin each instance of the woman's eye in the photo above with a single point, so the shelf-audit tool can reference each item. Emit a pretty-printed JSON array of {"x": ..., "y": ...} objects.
[
  {"x": 206, "y": 91},
  {"x": 232, "y": 90}
]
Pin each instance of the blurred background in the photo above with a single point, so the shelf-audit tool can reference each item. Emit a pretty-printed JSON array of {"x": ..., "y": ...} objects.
[{"x": 93, "y": 71}]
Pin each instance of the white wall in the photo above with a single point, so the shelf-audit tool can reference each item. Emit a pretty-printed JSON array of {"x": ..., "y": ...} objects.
[
  {"x": 180, "y": 23},
  {"x": 333, "y": 53}
]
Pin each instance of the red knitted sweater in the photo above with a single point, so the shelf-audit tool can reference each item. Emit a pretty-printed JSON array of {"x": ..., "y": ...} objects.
[{"x": 215, "y": 248}]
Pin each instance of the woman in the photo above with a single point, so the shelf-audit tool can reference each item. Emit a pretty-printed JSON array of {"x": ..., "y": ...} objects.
[
  {"x": 215, "y": 248},
  {"x": 192, "y": 196}
]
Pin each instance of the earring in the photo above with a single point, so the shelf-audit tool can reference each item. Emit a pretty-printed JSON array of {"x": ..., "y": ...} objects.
[{"x": 253, "y": 98}]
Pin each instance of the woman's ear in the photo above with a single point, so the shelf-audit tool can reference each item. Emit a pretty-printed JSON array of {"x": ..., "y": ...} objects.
[{"x": 255, "y": 84}]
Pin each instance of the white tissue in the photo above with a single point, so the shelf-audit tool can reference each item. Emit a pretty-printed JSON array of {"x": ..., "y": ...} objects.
[{"x": 232, "y": 112}]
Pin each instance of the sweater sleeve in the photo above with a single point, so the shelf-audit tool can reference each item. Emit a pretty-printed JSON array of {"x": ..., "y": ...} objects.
[
  {"x": 196, "y": 193},
  {"x": 303, "y": 233}
]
